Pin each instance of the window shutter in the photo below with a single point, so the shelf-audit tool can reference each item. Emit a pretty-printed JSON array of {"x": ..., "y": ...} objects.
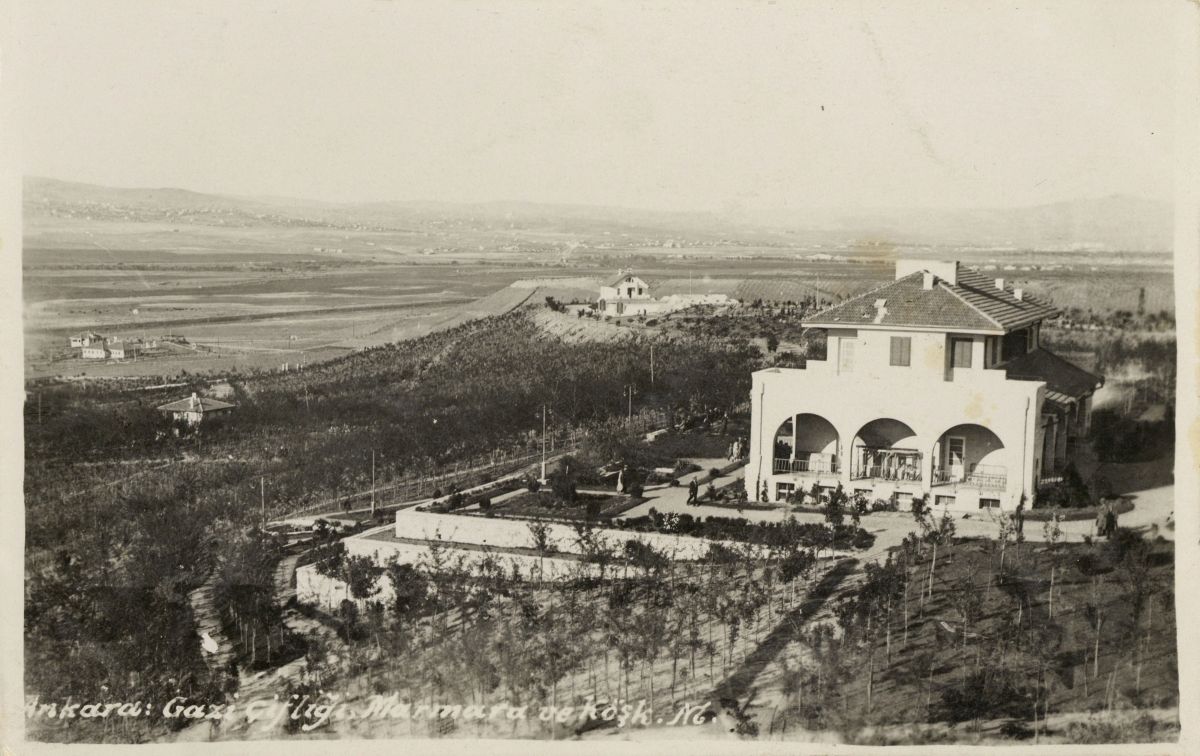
[{"x": 901, "y": 351}]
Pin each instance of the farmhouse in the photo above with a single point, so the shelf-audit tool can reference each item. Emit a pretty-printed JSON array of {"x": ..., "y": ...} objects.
[
  {"x": 630, "y": 295},
  {"x": 195, "y": 409},
  {"x": 119, "y": 349},
  {"x": 86, "y": 339},
  {"x": 96, "y": 350},
  {"x": 626, "y": 294},
  {"x": 935, "y": 384}
]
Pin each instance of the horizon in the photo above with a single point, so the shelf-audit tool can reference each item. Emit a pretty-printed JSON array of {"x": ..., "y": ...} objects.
[{"x": 588, "y": 206}]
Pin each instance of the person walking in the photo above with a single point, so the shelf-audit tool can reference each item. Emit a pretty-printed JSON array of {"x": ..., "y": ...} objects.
[
  {"x": 1021, "y": 516},
  {"x": 693, "y": 488},
  {"x": 1110, "y": 522}
]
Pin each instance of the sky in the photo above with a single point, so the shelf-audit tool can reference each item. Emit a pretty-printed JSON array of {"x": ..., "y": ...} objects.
[{"x": 664, "y": 106}]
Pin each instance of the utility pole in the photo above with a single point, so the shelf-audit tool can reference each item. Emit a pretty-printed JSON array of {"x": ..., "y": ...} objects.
[
  {"x": 652, "y": 365},
  {"x": 262, "y": 499},
  {"x": 372, "y": 484},
  {"x": 543, "y": 443}
]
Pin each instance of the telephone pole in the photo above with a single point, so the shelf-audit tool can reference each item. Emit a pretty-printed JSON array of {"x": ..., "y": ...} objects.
[
  {"x": 262, "y": 499},
  {"x": 543, "y": 443},
  {"x": 651, "y": 365},
  {"x": 372, "y": 484}
]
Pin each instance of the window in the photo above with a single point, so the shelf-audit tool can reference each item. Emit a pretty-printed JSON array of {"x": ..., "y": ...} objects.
[
  {"x": 1016, "y": 343},
  {"x": 944, "y": 501},
  {"x": 846, "y": 355},
  {"x": 784, "y": 490},
  {"x": 901, "y": 351},
  {"x": 960, "y": 352},
  {"x": 989, "y": 503}
]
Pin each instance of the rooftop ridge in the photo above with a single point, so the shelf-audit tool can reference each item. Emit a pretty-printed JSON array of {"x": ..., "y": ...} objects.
[{"x": 963, "y": 299}]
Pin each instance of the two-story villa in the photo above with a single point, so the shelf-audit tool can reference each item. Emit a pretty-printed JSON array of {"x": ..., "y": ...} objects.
[
  {"x": 625, "y": 295},
  {"x": 936, "y": 383}
]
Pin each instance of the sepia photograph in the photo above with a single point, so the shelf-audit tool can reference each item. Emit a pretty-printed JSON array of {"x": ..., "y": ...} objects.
[{"x": 743, "y": 376}]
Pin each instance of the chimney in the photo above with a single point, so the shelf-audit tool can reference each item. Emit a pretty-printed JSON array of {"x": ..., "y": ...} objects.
[
  {"x": 880, "y": 310},
  {"x": 1019, "y": 294},
  {"x": 195, "y": 400},
  {"x": 999, "y": 284},
  {"x": 927, "y": 280}
]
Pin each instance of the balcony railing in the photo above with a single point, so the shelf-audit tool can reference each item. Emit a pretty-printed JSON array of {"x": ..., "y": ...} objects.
[
  {"x": 900, "y": 473},
  {"x": 812, "y": 466},
  {"x": 986, "y": 477}
]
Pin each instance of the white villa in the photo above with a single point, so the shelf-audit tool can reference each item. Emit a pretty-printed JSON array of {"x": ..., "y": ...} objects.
[
  {"x": 629, "y": 295},
  {"x": 626, "y": 294},
  {"x": 934, "y": 384}
]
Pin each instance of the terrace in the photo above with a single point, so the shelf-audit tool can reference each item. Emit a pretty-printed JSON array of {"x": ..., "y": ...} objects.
[
  {"x": 812, "y": 466},
  {"x": 983, "y": 477}
]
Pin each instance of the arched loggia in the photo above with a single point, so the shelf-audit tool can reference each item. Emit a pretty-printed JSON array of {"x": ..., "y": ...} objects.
[
  {"x": 806, "y": 443},
  {"x": 885, "y": 449}
]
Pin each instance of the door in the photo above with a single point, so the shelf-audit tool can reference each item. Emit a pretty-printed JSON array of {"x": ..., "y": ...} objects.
[{"x": 956, "y": 457}]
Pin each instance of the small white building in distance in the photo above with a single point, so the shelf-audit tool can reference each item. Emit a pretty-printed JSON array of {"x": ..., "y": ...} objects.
[
  {"x": 86, "y": 339},
  {"x": 629, "y": 295},
  {"x": 935, "y": 384},
  {"x": 120, "y": 349},
  {"x": 96, "y": 350},
  {"x": 195, "y": 409},
  {"x": 625, "y": 295}
]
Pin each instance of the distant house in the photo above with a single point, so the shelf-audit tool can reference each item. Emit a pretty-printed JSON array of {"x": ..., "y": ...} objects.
[
  {"x": 120, "y": 350},
  {"x": 96, "y": 350},
  {"x": 86, "y": 339},
  {"x": 195, "y": 409},
  {"x": 626, "y": 294},
  {"x": 630, "y": 295}
]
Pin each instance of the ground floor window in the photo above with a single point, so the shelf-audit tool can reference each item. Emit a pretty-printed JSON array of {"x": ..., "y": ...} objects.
[
  {"x": 944, "y": 501},
  {"x": 784, "y": 490},
  {"x": 989, "y": 503},
  {"x": 865, "y": 492}
]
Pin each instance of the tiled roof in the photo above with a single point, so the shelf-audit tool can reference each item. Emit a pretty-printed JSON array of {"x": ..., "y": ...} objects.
[
  {"x": 206, "y": 405},
  {"x": 620, "y": 278},
  {"x": 981, "y": 293},
  {"x": 906, "y": 303},
  {"x": 1060, "y": 376},
  {"x": 973, "y": 303}
]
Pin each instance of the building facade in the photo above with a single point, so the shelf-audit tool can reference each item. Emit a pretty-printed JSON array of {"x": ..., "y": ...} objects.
[
  {"x": 625, "y": 295},
  {"x": 935, "y": 384}
]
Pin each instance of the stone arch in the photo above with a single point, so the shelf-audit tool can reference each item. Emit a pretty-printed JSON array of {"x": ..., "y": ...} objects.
[
  {"x": 808, "y": 442},
  {"x": 969, "y": 452},
  {"x": 885, "y": 448}
]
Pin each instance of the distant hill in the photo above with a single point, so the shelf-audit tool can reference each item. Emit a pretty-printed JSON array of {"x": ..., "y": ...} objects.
[
  {"x": 1113, "y": 223},
  {"x": 1106, "y": 224}
]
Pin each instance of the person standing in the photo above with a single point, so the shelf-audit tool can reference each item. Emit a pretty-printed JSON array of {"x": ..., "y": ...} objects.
[{"x": 693, "y": 488}]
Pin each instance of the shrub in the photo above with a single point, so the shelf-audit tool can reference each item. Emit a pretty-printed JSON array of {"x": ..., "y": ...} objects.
[
  {"x": 673, "y": 483},
  {"x": 534, "y": 485},
  {"x": 715, "y": 472},
  {"x": 884, "y": 505}
]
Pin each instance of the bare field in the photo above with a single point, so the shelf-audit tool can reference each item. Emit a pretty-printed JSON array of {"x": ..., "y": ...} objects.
[{"x": 259, "y": 297}]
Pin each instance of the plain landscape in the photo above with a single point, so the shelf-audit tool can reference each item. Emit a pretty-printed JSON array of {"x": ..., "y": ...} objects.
[{"x": 391, "y": 357}]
